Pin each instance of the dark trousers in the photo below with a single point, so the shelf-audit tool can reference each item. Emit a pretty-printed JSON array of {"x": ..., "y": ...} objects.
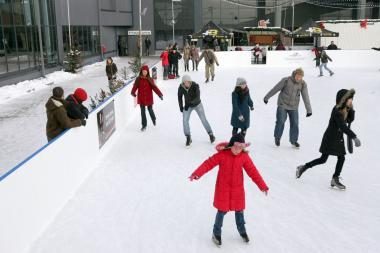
[
  {"x": 175, "y": 69},
  {"x": 323, "y": 159},
  {"x": 235, "y": 131},
  {"x": 143, "y": 115},
  {"x": 239, "y": 218}
]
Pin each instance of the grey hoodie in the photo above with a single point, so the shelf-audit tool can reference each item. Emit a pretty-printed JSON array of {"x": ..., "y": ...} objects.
[{"x": 289, "y": 97}]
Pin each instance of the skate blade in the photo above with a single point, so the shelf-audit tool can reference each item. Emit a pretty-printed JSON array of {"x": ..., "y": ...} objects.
[
  {"x": 335, "y": 188},
  {"x": 216, "y": 242}
]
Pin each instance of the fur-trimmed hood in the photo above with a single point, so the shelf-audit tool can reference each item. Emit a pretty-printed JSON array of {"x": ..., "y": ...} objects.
[{"x": 342, "y": 96}]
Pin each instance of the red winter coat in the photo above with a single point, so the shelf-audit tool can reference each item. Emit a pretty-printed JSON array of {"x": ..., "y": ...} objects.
[
  {"x": 145, "y": 86},
  {"x": 229, "y": 188},
  {"x": 165, "y": 58}
]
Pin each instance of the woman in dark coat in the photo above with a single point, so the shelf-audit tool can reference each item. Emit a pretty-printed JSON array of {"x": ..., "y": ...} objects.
[
  {"x": 145, "y": 86},
  {"x": 111, "y": 69},
  {"x": 333, "y": 141},
  {"x": 241, "y": 104}
]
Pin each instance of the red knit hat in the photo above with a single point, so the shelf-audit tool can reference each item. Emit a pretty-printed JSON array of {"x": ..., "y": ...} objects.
[
  {"x": 145, "y": 67},
  {"x": 80, "y": 95}
]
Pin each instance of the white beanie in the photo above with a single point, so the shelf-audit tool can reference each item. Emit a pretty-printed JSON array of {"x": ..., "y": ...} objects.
[
  {"x": 240, "y": 81},
  {"x": 186, "y": 78}
]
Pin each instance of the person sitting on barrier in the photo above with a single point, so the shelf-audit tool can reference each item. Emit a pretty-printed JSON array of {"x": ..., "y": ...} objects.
[
  {"x": 57, "y": 119},
  {"x": 75, "y": 108}
]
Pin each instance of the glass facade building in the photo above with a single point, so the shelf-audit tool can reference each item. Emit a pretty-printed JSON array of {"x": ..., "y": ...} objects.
[
  {"x": 163, "y": 15},
  {"x": 19, "y": 39}
]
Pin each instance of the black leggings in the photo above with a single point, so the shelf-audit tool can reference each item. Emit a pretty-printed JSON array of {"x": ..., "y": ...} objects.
[
  {"x": 235, "y": 131},
  {"x": 143, "y": 115},
  {"x": 323, "y": 159}
]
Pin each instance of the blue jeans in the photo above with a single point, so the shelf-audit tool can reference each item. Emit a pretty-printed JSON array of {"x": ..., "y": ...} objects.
[
  {"x": 239, "y": 218},
  {"x": 281, "y": 116},
  {"x": 201, "y": 114},
  {"x": 325, "y": 66}
]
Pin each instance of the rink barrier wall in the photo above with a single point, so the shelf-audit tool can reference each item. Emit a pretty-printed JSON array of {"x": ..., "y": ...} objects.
[
  {"x": 300, "y": 58},
  {"x": 33, "y": 192}
]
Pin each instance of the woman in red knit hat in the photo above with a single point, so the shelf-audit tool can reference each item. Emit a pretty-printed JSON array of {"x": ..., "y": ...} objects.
[
  {"x": 75, "y": 108},
  {"x": 144, "y": 86}
]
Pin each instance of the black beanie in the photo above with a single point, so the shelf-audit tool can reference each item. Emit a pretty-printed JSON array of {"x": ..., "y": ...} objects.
[{"x": 236, "y": 138}]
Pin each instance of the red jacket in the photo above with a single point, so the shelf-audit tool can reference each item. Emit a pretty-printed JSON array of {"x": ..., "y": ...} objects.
[
  {"x": 165, "y": 58},
  {"x": 229, "y": 188},
  {"x": 145, "y": 86}
]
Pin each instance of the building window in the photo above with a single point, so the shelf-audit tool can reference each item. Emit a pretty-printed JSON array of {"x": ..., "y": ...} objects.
[
  {"x": 83, "y": 38},
  {"x": 183, "y": 17},
  {"x": 19, "y": 41}
]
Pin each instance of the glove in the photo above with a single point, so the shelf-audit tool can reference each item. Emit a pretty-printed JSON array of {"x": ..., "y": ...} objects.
[
  {"x": 252, "y": 108},
  {"x": 217, "y": 64},
  {"x": 265, "y": 101},
  {"x": 357, "y": 142},
  {"x": 265, "y": 192},
  {"x": 83, "y": 122},
  {"x": 193, "y": 177},
  {"x": 186, "y": 107},
  {"x": 161, "y": 97},
  {"x": 134, "y": 95},
  {"x": 181, "y": 109},
  {"x": 241, "y": 118},
  {"x": 308, "y": 114}
]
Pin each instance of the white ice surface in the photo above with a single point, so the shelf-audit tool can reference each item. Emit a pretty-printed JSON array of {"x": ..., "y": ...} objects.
[{"x": 139, "y": 199}]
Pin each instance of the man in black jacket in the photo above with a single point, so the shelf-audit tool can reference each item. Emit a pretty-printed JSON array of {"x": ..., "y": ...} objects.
[
  {"x": 174, "y": 57},
  {"x": 332, "y": 46},
  {"x": 190, "y": 91}
]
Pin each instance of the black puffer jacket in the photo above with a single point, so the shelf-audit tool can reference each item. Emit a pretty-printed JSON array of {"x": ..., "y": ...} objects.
[
  {"x": 192, "y": 96},
  {"x": 75, "y": 110}
]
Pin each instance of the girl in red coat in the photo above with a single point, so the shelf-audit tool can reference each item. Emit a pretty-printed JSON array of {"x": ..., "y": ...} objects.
[
  {"x": 229, "y": 188},
  {"x": 165, "y": 62},
  {"x": 145, "y": 86}
]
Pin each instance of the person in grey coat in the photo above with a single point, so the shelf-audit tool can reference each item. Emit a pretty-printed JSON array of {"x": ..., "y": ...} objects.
[
  {"x": 241, "y": 106},
  {"x": 287, "y": 104},
  {"x": 333, "y": 142},
  {"x": 210, "y": 60}
]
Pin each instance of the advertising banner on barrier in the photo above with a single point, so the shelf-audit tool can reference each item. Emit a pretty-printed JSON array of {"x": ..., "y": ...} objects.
[{"x": 106, "y": 123}]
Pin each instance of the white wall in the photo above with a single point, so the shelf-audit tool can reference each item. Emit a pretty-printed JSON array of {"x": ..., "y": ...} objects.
[
  {"x": 231, "y": 58},
  {"x": 37, "y": 190},
  {"x": 341, "y": 58},
  {"x": 352, "y": 36}
]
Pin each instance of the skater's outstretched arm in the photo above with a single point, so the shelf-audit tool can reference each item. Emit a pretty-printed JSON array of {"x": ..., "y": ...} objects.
[
  {"x": 206, "y": 166},
  {"x": 279, "y": 86},
  {"x": 254, "y": 174}
]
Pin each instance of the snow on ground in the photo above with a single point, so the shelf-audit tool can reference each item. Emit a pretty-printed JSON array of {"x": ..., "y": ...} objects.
[
  {"x": 22, "y": 108},
  {"x": 139, "y": 198}
]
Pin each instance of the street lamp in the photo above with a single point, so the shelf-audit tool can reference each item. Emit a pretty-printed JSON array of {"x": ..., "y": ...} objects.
[
  {"x": 173, "y": 21},
  {"x": 68, "y": 21},
  {"x": 293, "y": 25}
]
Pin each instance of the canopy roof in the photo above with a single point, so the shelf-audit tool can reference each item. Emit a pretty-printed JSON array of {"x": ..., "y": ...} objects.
[
  {"x": 312, "y": 29},
  {"x": 211, "y": 29}
]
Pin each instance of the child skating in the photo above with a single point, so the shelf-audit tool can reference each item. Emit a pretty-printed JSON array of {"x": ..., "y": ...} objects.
[{"x": 229, "y": 195}]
